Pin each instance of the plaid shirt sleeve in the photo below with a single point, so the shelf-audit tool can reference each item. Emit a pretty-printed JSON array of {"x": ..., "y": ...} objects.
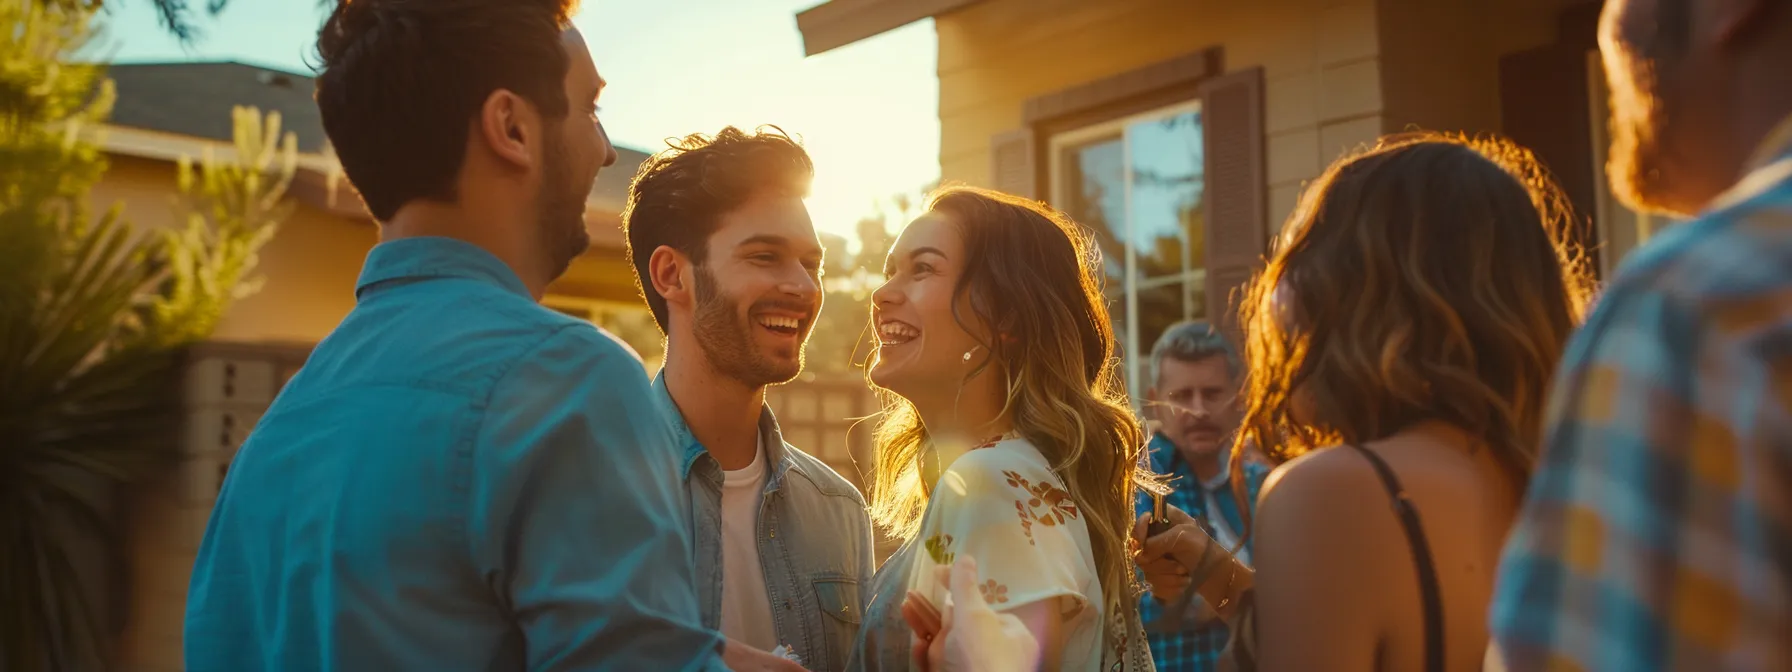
[{"x": 1657, "y": 529}]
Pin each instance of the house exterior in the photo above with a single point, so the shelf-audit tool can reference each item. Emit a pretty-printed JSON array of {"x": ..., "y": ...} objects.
[
  {"x": 1182, "y": 131},
  {"x": 168, "y": 111}
]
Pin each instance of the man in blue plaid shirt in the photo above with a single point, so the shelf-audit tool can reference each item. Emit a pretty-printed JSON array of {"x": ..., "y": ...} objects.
[
  {"x": 1657, "y": 531},
  {"x": 1194, "y": 398}
]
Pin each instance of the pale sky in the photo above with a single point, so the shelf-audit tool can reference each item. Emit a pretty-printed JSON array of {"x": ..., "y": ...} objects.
[{"x": 867, "y": 112}]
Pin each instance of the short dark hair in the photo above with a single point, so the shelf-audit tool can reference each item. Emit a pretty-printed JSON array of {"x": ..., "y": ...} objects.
[
  {"x": 400, "y": 82},
  {"x": 680, "y": 194},
  {"x": 1193, "y": 341}
]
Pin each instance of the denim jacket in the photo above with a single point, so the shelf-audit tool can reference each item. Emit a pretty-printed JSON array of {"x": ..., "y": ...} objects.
[{"x": 814, "y": 544}]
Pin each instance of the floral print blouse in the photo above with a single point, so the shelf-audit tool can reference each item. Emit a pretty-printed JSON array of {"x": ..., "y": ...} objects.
[{"x": 1003, "y": 506}]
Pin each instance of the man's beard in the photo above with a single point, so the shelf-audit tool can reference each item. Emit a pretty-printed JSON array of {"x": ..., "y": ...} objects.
[
  {"x": 1638, "y": 124},
  {"x": 727, "y": 338},
  {"x": 1640, "y": 157},
  {"x": 562, "y": 207}
]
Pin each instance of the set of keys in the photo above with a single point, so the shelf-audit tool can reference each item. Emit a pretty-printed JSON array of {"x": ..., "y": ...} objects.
[{"x": 1177, "y": 613}]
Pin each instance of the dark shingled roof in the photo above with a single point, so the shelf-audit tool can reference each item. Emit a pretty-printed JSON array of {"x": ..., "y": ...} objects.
[{"x": 195, "y": 99}]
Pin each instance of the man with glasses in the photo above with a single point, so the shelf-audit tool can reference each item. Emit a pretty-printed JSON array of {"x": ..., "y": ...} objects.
[{"x": 1194, "y": 399}]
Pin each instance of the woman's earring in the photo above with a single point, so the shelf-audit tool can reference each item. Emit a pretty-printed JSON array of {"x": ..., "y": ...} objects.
[{"x": 967, "y": 355}]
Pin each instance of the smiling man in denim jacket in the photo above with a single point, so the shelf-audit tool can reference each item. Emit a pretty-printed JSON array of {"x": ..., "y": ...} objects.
[{"x": 730, "y": 264}]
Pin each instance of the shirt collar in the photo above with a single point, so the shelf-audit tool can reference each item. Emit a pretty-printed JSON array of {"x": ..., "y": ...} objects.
[
  {"x": 1769, "y": 167},
  {"x": 1777, "y": 145},
  {"x": 1166, "y": 460},
  {"x": 769, "y": 435},
  {"x": 434, "y": 257}
]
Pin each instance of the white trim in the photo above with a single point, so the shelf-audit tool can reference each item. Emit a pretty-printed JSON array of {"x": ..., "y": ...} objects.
[
  {"x": 163, "y": 146},
  {"x": 1196, "y": 275},
  {"x": 837, "y": 23},
  {"x": 1085, "y": 133},
  {"x": 1131, "y": 283}
]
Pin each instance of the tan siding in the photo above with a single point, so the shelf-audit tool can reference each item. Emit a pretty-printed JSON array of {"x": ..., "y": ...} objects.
[
  {"x": 1293, "y": 155},
  {"x": 1441, "y": 59},
  {"x": 996, "y": 54},
  {"x": 1349, "y": 89},
  {"x": 1337, "y": 138}
]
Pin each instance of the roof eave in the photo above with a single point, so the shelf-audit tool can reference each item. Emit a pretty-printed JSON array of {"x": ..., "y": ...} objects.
[
  {"x": 837, "y": 23},
  {"x": 319, "y": 183}
]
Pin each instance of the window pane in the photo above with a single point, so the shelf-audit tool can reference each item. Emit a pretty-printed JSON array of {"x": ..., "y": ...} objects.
[
  {"x": 1167, "y": 184},
  {"x": 1167, "y": 217},
  {"x": 1093, "y": 193}
]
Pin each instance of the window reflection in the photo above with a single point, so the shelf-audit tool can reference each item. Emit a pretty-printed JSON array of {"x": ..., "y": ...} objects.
[
  {"x": 1138, "y": 183},
  {"x": 1094, "y": 194}
]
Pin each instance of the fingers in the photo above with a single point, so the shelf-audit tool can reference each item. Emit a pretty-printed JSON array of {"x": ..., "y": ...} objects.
[
  {"x": 1169, "y": 588},
  {"x": 918, "y": 653},
  {"x": 936, "y": 654},
  {"x": 1163, "y": 567},
  {"x": 1171, "y": 541},
  {"x": 1177, "y": 516},
  {"x": 920, "y": 614},
  {"x": 1138, "y": 529},
  {"x": 965, "y": 592},
  {"x": 924, "y": 621}
]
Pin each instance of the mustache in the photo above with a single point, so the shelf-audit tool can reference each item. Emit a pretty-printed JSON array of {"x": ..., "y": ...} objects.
[
  {"x": 806, "y": 308},
  {"x": 1204, "y": 425}
]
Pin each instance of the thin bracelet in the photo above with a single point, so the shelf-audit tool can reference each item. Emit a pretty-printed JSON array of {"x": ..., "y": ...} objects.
[{"x": 1230, "y": 577}]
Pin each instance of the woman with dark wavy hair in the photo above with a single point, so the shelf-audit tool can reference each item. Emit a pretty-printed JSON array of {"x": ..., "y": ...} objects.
[
  {"x": 1401, "y": 344},
  {"x": 1006, "y": 437}
]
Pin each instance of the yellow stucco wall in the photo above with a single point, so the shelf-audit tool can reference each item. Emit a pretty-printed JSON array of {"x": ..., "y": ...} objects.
[{"x": 309, "y": 267}]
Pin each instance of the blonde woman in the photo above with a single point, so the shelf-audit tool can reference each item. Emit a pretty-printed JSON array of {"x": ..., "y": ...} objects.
[{"x": 1005, "y": 438}]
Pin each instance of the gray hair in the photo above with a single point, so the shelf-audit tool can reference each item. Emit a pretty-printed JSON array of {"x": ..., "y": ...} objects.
[{"x": 1192, "y": 341}]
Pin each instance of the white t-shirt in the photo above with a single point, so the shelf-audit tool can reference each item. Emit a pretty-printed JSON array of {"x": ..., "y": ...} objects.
[{"x": 746, "y": 610}]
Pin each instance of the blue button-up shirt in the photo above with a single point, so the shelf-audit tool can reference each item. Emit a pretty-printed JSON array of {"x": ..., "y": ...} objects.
[
  {"x": 458, "y": 479},
  {"x": 1198, "y": 648},
  {"x": 1656, "y": 533}
]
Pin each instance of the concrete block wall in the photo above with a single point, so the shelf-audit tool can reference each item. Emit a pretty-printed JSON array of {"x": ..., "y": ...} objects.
[{"x": 226, "y": 389}]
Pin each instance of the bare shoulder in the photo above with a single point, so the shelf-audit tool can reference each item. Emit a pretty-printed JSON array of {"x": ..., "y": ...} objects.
[
  {"x": 1326, "y": 497},
  {"x": 1324, "y": 478}
]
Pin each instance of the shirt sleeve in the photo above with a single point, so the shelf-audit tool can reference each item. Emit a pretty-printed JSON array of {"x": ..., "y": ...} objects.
[
  {"x": 1654, "y": 534},
  {"x": 575, "y": 523},
  {"x": 1015, "y": 519}
]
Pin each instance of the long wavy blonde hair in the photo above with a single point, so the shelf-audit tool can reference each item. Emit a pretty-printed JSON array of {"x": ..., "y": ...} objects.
[
  {"x": 1429, "y": 277},
  {"x": 1032, "y": 274}
]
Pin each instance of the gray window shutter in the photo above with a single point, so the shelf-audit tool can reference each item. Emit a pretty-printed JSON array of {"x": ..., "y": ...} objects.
[
  {"x": 1014, "y": 166},
  {"x": 1232, "y": 109}
]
